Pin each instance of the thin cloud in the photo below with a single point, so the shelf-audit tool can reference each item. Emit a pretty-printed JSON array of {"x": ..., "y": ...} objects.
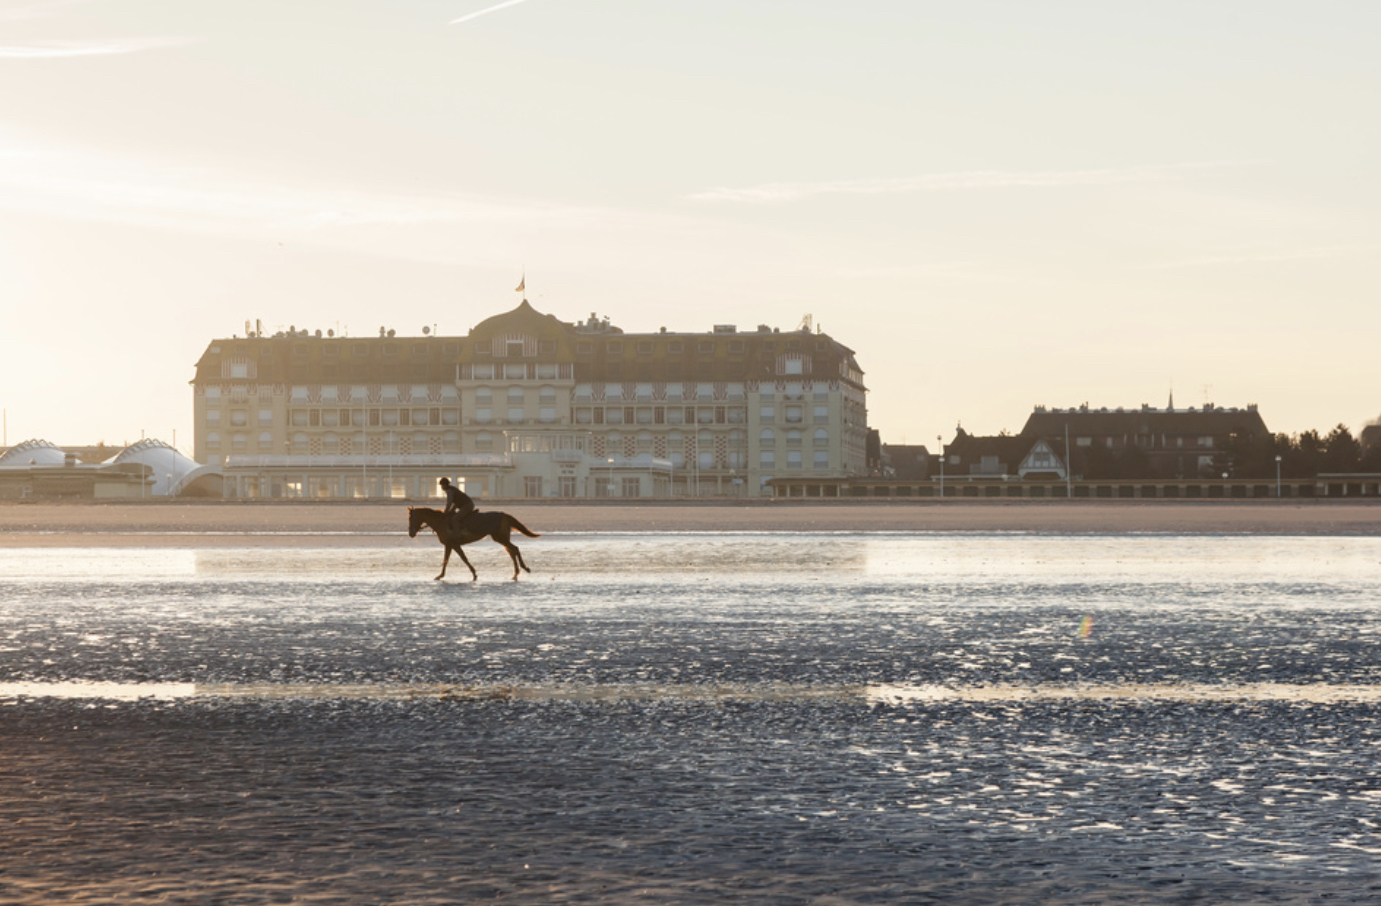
[
  {"x": 486, "y": 11},
  {"x": 38, "y": 10},
  {"x": 52, "y": 50},
  {"x": 1265, "y": 257},
  {"x": 781, "y": 192},
  {"x": 70, "y": 184}
]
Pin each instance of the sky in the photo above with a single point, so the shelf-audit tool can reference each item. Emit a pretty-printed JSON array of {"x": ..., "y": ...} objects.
[{"x": 997, "y": 205}]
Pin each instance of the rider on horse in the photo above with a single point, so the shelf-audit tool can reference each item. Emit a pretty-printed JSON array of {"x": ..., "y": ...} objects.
[{"x": 459, "y": 506}]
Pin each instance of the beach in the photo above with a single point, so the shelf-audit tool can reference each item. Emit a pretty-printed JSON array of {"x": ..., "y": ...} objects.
[{"x": 776, "y": 703}]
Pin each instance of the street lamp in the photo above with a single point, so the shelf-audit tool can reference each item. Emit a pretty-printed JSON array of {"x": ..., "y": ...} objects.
[
  {"x": 940, "y": 445},
  {"x": 1277, "y": 476}
]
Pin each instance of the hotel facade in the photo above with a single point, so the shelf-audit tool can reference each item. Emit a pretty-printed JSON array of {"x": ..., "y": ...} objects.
[{"x": 528, "y": 405}]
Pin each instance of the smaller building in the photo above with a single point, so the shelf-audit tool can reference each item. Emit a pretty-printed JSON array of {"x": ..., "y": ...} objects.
[{"x": 147, "y": 469}]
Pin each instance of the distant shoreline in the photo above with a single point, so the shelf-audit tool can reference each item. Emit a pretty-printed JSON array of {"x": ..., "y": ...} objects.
[{"x": 230, "y": 523}]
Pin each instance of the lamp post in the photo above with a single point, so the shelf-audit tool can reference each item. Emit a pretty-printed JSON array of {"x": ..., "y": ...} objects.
[
  {"x": 1277, "y": 476},
  {"x": 940, "y": 444}
]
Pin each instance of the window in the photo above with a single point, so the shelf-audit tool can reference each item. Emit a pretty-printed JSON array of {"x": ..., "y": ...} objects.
[
  {"x": 484, "y": 442},
  {"x": 767, "y": 436},
  {"x": 822, "y": 414},
  {"x": 614, "y": 347},
  {"x": 546, "y": 372},
  {"x": 484, "y": 415},
  {"x": 514, "y": 349},
  {"x": 676, "y": 348},
  {"x": 213, "y": 416},
  {"x": 421, "y": 349},
  {"x": 822, "y": 437},
  {"x": 514, "y": 372},
  {"x": 584, "y": 348},
  {"x": 767, "y": 414},
  {"x": 822, "y": 459},
  {"x": 547, "y": 415},
  {"x": 793, "y": 459},
  {"x": 390, "y": 350},
  {"x": 515, "y": 415},
  {"x": 265, "y": 440},
  {"x": 631, "y": 487},
  {"x": 360, "y": 350},
  {"x": 735, "y": 347},
  {"x": 483, "y": 347},
  {"x": 482, "y": 372},
  {"x": 546, "y": 347},
  {"x": 793, "y": 415},
  {"x": 767, "y": 459},
  {"x": 644, "y": 347},
  {"x": 793, "y": 366},
  {"x": 705, "y": 348},
  {"x": 532, "y": 486},
  {"x": 239, "y": 369}
]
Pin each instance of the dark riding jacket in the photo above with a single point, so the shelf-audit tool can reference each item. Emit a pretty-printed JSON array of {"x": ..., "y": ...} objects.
[{"x": 458, "y": 503}]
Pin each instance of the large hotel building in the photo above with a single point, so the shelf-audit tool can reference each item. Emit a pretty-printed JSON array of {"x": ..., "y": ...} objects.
[{"x": 528, "y": 405}]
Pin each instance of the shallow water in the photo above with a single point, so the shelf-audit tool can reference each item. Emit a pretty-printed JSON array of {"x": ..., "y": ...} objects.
[{"x": 863, "y": 717}]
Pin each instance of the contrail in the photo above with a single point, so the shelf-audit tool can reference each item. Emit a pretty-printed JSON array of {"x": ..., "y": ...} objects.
[{"x": 486, "y": 11}]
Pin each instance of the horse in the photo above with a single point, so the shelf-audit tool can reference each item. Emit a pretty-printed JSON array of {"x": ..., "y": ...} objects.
[{"x": 494, "y": 525}]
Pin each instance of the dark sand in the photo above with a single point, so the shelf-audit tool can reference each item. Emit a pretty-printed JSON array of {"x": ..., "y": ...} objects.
[{"x": 455, "y": 797}]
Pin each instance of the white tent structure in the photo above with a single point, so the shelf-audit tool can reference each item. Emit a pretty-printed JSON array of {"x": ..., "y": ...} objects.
[
  {"x": 33, "y": 453},
  {"x": 172, "y": 472}
]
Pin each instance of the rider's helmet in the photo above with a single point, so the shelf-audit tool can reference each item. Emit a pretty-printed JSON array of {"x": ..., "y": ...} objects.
[{"x": 445, "y": 482}]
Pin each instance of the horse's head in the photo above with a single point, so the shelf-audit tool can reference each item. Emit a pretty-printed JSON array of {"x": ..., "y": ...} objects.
[{"x": 414, "y": 522}]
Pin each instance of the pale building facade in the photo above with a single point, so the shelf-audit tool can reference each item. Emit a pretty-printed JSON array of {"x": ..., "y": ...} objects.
[{"x": 527, "y": 405}]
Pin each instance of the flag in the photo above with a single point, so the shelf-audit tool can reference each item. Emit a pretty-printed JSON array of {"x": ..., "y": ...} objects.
[{"x": 522, "y": 284}]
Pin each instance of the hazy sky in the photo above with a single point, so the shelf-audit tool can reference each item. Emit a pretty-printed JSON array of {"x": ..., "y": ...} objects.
[{"x": 996, "y": 204}]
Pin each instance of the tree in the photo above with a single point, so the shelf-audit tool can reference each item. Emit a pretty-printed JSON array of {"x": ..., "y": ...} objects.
[{"x": 1341, "y": 451}]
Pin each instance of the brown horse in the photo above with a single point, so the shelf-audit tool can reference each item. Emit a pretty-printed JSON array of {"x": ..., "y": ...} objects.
[{"x": 478, "y": 525}]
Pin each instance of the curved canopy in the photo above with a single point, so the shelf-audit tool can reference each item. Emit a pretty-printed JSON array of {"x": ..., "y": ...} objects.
[
  {"x": 33, "y": 453},
  {"x": 171, "y": 471}
]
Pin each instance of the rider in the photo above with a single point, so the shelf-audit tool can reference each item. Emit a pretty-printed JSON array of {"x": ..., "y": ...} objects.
[{"x": 458, "y": 504}]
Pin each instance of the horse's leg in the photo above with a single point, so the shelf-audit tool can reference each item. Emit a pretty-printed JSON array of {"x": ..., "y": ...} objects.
[
  {"x": 466, "y": 560},
  {"x": 445, "y": 558}
]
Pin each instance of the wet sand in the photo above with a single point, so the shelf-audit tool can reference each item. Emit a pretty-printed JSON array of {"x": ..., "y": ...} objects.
[
  {"x": 1212, "y": 778},
  {"x": 252, "y": 524}
]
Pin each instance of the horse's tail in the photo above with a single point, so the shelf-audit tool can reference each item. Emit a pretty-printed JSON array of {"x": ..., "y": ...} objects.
[{"x": 522, "y": 528}]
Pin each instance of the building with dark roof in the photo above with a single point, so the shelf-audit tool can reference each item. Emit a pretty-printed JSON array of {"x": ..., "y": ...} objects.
[
  {"x": 1149, "y": 442},
  {"x": 526, "y": 404}
]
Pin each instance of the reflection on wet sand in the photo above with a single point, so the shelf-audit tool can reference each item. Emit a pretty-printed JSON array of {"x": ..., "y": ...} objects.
[{"x": 1316, "y": 693}]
